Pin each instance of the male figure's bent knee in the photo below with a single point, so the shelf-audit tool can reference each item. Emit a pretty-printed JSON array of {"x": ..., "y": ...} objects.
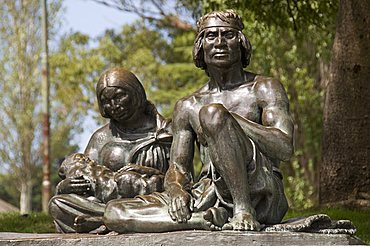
[{"x": 212, "y": 118}]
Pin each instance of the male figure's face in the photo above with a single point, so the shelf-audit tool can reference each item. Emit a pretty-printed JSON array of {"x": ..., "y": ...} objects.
[
  {"x": 221, "y": 46},
  {"x": 117, "y": 103}
]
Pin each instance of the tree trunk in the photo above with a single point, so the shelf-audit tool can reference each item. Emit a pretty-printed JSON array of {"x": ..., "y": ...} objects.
[
  {"x": 345, "y": 170},
  {"x": 26, "y": 197}
]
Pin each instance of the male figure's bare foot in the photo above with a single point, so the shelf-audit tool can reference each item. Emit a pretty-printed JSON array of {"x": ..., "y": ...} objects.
[
  {"x": 216, "y": 218},
  {"x": 242, "y": 221}
]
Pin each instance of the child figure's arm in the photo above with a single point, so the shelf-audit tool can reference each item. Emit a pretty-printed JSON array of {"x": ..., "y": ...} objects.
[
  {"x": 133, "y": 180},
  {"x": 147, "y": 171}
]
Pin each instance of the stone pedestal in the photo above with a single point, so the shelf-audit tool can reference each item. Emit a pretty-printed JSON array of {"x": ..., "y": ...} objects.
[{"x": 179, "y": 238}]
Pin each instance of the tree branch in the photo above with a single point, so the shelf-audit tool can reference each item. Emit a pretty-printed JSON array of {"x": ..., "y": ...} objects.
[
  {"x": 158, "y": 6},
  {"x": 290, "y": 12},
  {"x": 160, "y": 17}
]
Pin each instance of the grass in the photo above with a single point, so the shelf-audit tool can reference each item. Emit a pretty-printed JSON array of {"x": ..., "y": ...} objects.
[
  {"x": 43, "y": 223},
  {"x": 361, "y": 219},
  {"x": 33, "y": 223}
]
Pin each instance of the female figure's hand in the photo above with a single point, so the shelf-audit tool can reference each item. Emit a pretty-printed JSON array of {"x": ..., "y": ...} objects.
[{"x": 79, "y": 186}]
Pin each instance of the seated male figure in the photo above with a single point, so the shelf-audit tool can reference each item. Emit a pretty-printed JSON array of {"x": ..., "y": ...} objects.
[{"x": 242, "y": 125}]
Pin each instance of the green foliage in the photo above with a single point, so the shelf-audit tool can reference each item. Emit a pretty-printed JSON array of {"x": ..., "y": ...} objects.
[
  {"x": 20, "y": 86},
  {"x": 9, "y": 191},
  {"x": 288, "y": 14},
  {"x": 163, "y": 64},
  {"x": 33, "y": 223},
  {"x": 73, "y": 72},
  {"x": 299, "y": 191},
  {"x": 75, "y": 69},
  {"x": 176, "y": 81}
]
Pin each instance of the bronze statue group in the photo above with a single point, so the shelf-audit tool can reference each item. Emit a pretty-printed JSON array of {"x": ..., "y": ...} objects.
[{"x": 137, "y": 174}]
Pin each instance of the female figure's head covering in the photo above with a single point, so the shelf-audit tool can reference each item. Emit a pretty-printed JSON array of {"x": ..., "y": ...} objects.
[{"x": 121, "y": 78}]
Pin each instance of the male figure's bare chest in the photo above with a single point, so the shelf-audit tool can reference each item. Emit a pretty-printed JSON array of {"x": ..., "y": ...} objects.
[{"x": 241, "y": 101}]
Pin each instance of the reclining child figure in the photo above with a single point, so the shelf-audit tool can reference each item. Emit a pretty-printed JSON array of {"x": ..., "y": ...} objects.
[{"x": 241, "y": 123}]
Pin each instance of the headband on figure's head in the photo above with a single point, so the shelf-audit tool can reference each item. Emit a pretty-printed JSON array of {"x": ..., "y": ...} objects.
[{"x": 228, "y": 18}]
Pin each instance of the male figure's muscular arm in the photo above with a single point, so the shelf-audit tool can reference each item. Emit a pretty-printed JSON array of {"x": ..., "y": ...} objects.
[
  {"x": 178, "y": 179},
  {"x": 275, "y": 136}
]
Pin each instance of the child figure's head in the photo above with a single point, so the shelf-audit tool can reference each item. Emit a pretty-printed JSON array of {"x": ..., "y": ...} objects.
[{"x": 75, "y": 166}]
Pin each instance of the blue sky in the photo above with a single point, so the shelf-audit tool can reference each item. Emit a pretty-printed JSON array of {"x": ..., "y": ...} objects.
[{"x": 91, "y": 18}]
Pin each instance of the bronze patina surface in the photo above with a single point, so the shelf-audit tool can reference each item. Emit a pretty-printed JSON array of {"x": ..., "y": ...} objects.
[
  {"x": 241, "y": 123},
  {"x": 126, "y": 157},
  {"x": 239, "y": 120}
]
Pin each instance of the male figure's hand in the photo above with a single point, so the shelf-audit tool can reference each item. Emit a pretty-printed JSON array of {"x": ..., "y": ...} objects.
[
  {"x": 79, "y": 186},
  {"x": 181, "y": 205}
]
